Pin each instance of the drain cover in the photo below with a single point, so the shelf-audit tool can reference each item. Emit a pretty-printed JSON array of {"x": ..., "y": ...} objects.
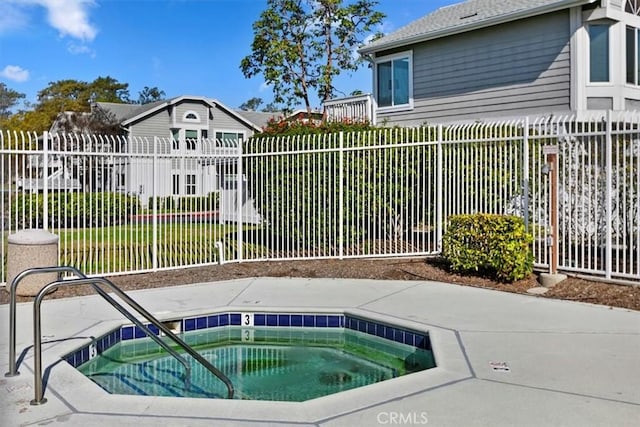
[{"x": 500, "y": 366}]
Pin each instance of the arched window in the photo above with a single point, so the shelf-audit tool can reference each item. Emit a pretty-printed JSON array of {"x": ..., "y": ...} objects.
[
  {"x": 632, "y": 6},
  {"x": 191, "y": 116}
]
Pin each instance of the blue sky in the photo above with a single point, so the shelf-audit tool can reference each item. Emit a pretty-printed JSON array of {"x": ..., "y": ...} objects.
[{"x": 184, "y": 47}]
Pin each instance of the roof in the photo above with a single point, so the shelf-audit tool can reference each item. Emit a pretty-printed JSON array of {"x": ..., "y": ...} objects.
[
  {"x": 130, "y": 113},
  {"x": 467, "y": 16},
  {"x": 123, "y": 112},
  {"x": 260, "y": 118}
]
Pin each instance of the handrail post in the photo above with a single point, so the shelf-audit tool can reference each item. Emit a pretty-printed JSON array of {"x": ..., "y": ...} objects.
[
  {"x": 39, "y": 398},
  {"x": 83, "y": 280},
  {"x": 13, "y": 369}
]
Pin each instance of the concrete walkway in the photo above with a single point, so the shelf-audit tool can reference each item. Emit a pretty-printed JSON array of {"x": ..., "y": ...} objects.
[{"x": 570, "y": 364}]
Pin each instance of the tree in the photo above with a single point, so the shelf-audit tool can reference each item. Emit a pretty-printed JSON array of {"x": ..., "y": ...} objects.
[
  {"x": 108, "y": 89},
  {"x": 150, "y": 94},
  {"x": 251, "y": 104},
  {"x": 271, "y": 108},
  {"x": 8, "y": 99},
  {"x": 75, "y": 95},
  {"x": 97, "y": 122},
  {"x": 301, "y": 45},
  {"x": 67, "y": 95}
]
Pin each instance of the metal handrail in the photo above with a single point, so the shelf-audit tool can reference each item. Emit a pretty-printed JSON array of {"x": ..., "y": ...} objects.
[
  {"x": 13, "y": 369},
  {"x": 39, "y": 394}
]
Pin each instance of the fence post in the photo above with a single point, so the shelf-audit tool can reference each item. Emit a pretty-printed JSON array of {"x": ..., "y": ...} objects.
[
  {"x": 239, "y": 201},
  {"x": 525, "y": 174},
  {"x": 154, "y": 207},
  {"x": 553, "y": 236},
  {"x": 608, "y": 193},
  {"x": 45, "y": 183},
  {"x": 341, "y": 198},
  {"x": 439, "y": 197}
]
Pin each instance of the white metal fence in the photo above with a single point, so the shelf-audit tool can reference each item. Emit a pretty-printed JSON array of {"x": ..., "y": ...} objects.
[{"x": 141, "y": 204}]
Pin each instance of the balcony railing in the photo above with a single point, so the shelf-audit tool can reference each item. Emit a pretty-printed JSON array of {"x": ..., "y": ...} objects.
[{"x": 358, "y": 107}]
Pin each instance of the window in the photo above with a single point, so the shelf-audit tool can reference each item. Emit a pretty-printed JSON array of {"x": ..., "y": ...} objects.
[
  {"x": 191, "y": 116},
  {"x": 599, "y": 53},
  {"x": 175, "y": 139},
  {"x": 191, "y": 139},
  {"x": 393, "y": 81},
  {"x": 121, "y": 180},
  {"x": 190, "y": 188},
  {"x": 229, "y": 139},
  {"x": 633, "y": 55},
  {"x": 632, "y": 6},
  {"x": 176, "y": 184}
]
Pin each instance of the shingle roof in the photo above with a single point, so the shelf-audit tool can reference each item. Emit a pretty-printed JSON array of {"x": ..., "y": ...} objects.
[
  {"x": 259, "y": 118},
  {"x": 467, "y": 16},
  {"x": 126, "y": 111}
]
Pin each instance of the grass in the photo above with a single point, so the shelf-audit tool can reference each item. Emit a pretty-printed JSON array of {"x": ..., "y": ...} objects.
[{"x": 101, "y": 250}]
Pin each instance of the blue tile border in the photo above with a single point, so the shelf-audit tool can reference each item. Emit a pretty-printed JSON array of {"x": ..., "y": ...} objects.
[{"x": 319, "y": 320}]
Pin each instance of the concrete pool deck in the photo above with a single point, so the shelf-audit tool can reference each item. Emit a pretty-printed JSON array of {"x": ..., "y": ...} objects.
[{"x": 571, "y": 364}]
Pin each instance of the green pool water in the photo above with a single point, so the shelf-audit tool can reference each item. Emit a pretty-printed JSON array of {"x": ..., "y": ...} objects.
[{"x": 284, "y": 364}]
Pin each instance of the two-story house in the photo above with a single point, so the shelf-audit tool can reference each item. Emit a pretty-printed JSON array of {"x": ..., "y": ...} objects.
[
  {"x": 181, "y": 147},
  {"x": 483, "y": 59}
]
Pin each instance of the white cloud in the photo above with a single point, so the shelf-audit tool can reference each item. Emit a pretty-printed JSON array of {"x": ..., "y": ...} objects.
[
  {"x": 11, "y": 17},
  {"x": 69, "y": 17},
  {"x": 15, "y": 73},
  {"x": 79, "y": 49}
]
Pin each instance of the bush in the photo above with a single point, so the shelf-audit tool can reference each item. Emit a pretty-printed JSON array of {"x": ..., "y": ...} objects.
[
  {"x": 310, "y": 169},
  {"x": 74, "y": 209},
  {"x": 282, "y": 127},
  {"x": 198, "y": 204},
  {"x": 494, "y": 244},
  {"x": 164, "y": 204}
]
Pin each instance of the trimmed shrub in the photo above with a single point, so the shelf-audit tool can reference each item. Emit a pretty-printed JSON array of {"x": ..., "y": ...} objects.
[
  {"x": 198, "y": 204},
  {"x": 74, "y": 209},
  {"x": 486, "y": 243}
]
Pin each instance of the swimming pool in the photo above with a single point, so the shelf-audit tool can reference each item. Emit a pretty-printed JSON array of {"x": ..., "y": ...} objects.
[{"x": 267, "y": 356}]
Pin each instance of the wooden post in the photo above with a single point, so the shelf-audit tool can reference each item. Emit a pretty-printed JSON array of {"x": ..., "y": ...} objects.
[{"x": 551, "y": 158}]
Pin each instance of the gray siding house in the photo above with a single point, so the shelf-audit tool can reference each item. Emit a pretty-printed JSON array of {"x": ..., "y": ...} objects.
[
  {"x": 503, "y": 58},
  {"x": 181, "y": 132}
]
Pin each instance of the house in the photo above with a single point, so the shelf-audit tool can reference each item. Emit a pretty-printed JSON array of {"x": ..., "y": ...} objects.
[
  {"x": 193, "y": 138},
  {"x": 503, "y": 58}
]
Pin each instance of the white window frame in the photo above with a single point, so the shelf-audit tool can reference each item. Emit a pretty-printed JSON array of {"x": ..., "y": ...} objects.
[
  {"x": 389, "y": 58},
  {"x": 191, "y": 120},
  {"x": 236, "y": 131},
  {"x": 190, "y": 184},
  {"x": 633, "y": 5},
  {"x": 636, "y": 56},
  {"x": 609, "y": 59},
  {"x": 180, "y": 145},
  {"x": 175, "y": 184}
]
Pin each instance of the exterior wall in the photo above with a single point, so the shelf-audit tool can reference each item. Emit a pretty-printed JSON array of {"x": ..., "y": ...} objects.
[
  {"x": 223, "y": 121},
  {"x": 157, "y": 124},
  {"x": 179, "y": 111},
  {"x": 516, "y": 68}
]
